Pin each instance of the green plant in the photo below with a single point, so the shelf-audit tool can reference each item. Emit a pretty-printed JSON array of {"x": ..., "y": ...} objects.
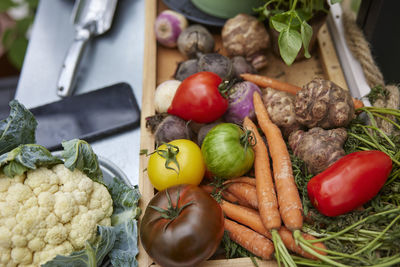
[
  {"x": 290, "y": 18},
  {"x": 15, "y": 40}
]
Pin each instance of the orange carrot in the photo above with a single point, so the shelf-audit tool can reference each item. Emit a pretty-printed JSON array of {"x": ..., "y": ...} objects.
[
  {"x": 244, "y": 192},
  {"x": 257, "y": 244},
  {"x": 290, "y": 205},
  {"x": 244, "y": 179},
  {"x": 245, "y": 216},
  {"x": 264, "y": 81},
  {"x": 251, "y": 219},
  {"x": 357, "y": 103},
  {"x": 266, "y": 196}
]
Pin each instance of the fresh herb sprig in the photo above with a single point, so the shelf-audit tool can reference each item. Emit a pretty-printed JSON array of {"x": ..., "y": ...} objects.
[{"x": 290, "y": 18}]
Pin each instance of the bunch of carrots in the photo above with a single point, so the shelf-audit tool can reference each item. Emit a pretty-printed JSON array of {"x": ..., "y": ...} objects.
[{"x": 263, "y": 203}]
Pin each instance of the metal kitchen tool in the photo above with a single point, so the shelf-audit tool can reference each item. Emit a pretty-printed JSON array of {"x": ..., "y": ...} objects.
[{"x": 91, "y": 18}]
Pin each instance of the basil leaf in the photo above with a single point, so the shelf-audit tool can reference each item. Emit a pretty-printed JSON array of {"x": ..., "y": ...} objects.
[
  {"x": 306, "y": 34},
  {"x": 79, "y": 154},
  {"x": 26, "y": 157},
  {"x": 280, "y": 21},
  {"x": 19, "y": 128},
  {"x": 92, "y": 255},
  {"x": 289, "y": 45}
]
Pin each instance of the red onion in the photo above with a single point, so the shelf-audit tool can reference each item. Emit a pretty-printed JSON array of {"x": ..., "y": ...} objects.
[
  {"x": 168, "y": 26},
  {"x": 241, "y": 102}
]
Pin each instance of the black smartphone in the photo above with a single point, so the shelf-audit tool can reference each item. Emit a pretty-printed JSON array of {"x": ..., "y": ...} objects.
[{"x": 89, "y": 116}]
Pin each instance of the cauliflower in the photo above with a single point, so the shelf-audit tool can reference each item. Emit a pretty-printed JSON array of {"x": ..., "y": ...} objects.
[{"x": 47, "y": 212}]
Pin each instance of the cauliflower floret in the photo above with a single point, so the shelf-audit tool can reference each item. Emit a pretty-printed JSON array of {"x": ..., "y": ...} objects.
[
  {"x": 86, "y": 185},
  {"x": 51, "y": 220},
  {"x": 5, "y": 255},
  {"x": 36, "y": 244},
  {"x": 21, "y": 255},
  {"x": 41, "y": 180},
  {"x": 19, "y": 241},
  {"x": 9, "y": 222},
  {"x": 46, "y": 200},
  {"x": 65, "y": 206},
  {"x": 9, "y": 209},
  {"x": 5, "y": 237},
  {"x": 83, "y": 227},
  {"x": 101, "y": 199},
  {"x": 56, "y": 235},
  {"x": 80, "y": 197},
  {"x": 5, "y": 183},
  {"x": 18, "y": 192}
]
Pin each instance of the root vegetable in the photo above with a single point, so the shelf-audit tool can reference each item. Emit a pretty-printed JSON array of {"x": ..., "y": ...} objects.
[
  {"x": 280, "y": 107},
  {"x": 240, "y": 66},
  {"x": 164, "y": 94},
  {"x": 246, "y": 36},
  {"x": 240, "y": 98},
  {"x": 195, "y": 39},
  {"x": 204, "y": 130},
  {"x": 216, "y": 63},
  {"x": 168, "y": 26},
  {"x": 168, "y": 128},
  {"x": 318, "y": 148},
  {"x": 185, "y": 69},
  {"x": 321, "y": 103}
]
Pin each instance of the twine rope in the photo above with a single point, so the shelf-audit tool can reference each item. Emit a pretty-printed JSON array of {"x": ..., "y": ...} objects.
[{"x": 360, "y": 48}]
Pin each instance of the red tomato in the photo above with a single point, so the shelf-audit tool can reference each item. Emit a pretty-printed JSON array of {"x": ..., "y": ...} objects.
[
  {"x": 198, "y": 98},
  {"x": 350, "y": 182},
  {"x": 186, "y": 235}
]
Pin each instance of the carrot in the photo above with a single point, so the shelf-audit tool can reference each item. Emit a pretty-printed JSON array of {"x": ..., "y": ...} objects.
[
  {"x": 290, "y": 205},
  {"x": 245, "y": 216},
  {"x": 257, "y": 244},
  {"x": 266, "y": 196},
  {"x": 244, "y": 179},
  {"x": 244, "y": 192},
  {"x": 251, "y": 219},
  {"x": 264, "y": 81},
  {"x": 357, "y": 103}
]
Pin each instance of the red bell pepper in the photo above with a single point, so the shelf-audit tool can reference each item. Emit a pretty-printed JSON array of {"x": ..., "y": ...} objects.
[{"x": 350, "y": 182}]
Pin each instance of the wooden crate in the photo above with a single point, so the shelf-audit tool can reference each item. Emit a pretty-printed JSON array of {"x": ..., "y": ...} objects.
[{"x": 160, "y": 64}]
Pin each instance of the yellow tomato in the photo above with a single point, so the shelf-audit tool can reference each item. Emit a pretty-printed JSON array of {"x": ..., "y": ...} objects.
[{"x": 177, "y": 162}]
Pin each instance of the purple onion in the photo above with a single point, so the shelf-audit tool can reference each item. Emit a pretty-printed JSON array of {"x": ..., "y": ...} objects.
[
  {"x": 241, "y": 102},
  {"x": 168, "y": 26}
]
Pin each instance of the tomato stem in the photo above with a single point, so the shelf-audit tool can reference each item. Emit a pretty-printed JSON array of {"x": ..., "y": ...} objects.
[
  {"x": 225, "y": 86},
  {"x": 169, "y": 155},
  {"x": 171, "y": 212}
]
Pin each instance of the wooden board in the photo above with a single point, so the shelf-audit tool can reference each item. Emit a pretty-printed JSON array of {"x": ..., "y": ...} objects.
[{"x": 160, "y": 64}]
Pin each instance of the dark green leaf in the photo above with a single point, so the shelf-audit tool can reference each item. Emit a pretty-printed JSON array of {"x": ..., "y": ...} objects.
[
  {"x": 126, "y": 211},
  {"x": 19, "y": 128},
  {"x": 8, "y": 37},
  {"x": 93, "y": 254},
  {"x": 289, "y": 45},
  {"x": 280, "y": 22},
  {"x": 79, "y": 154},
  {"x": 16, "y": 53},
  {"x": 26, "y": 157},
  {"x": 306, "y": 34}
]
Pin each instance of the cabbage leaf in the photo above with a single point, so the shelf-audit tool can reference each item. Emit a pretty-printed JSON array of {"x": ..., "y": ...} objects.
[
  {"x": 26, "y": 157},
  {"x": 79, "y": 154},
  {"x": 18, "y": 128}
]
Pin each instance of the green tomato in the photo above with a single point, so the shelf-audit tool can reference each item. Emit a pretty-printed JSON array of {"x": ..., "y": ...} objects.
[{"x": 227, "y": 152}]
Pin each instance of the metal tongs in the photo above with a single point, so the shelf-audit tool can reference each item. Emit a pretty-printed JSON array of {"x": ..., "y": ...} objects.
[{"x": 91, "y": 18}]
